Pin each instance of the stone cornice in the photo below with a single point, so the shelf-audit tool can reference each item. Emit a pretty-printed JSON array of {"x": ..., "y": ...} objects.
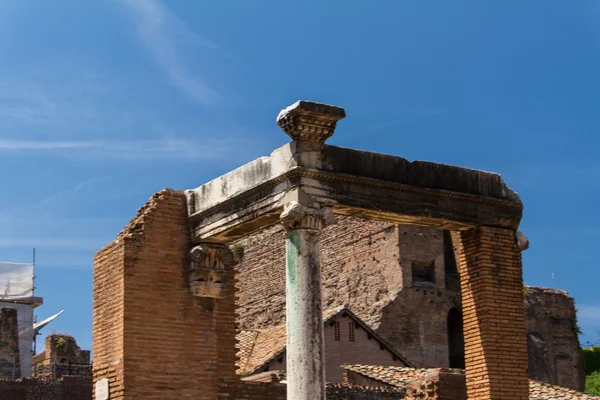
[{"x": 337, "y": 177}]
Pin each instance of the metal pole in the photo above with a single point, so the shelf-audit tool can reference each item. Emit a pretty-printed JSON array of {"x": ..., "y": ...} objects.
[{"x": 33, "y": 295}]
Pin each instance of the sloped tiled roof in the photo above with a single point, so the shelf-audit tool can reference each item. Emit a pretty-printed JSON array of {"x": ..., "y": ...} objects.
[
  {"x": 394, "y": 376},
  {"x": 258, "y": 347},
  {"x": 545, "y": 391},
  {"x": 401, "y": 376}
]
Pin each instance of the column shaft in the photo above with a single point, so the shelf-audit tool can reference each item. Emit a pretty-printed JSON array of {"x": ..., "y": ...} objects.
[
  {"x": 304, "y": 315},
  {"x": 305, "y": 351}
]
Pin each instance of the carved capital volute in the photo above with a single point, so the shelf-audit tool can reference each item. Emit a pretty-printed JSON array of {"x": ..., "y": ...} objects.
[
  {"x": 297, "y": 216},
  {"x": 209, "y": 255},
  {"x": 209, "y": 269}
]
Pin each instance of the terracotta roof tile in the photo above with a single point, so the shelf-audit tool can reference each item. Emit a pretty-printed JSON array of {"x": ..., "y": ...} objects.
[
  {"x": 546, "y": 391},
  {"x": 395, "y": 376},
  {"x": 256, "y": 347},
  {"x": 401, "y": 376}
]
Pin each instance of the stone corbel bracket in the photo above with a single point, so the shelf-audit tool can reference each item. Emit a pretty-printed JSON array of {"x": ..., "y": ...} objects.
[
  {"x": 522, "y": 241},
  {"x": 209, "y": 270}
]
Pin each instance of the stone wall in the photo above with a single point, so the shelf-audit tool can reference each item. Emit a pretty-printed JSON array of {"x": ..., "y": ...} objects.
[
  {"x": 277, "y": 391},
  {"x": 555, "y": 355},
  {"x": 356, "y": 348},
  {"x": 367, "y": 265},
  {"x": 61, "y": 348},
  {"x": 67, "y": 388},
  {"x": 364, "y": 270},
  {"x": 10, "y": 365}
]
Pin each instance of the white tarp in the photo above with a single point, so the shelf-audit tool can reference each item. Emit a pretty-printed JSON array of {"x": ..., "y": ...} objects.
[{"x": 16, "y": 281}]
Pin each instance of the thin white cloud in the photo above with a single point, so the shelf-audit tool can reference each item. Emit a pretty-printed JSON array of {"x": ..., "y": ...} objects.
[
  {"x": 157, "y": 27},
  {"x": 50, "y": 243},
  {"x": 180, "y": 149},
  {"x": 58, "y": 197},
  {"x": 7, "y": 145},
  {"x": 588, "y": 313}
]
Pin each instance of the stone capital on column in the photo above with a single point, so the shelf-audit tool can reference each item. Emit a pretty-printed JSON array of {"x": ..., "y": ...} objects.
[{"x": 297, "y": 216}]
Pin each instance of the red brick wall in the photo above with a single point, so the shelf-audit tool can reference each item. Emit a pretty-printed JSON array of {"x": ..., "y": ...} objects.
[
  {"x": 152, "y": 338},
  {"x": 438, "y": 384},
  {"x": 421, "y": 244},
  {"x": 365, "y": 264},
  {"x": 108, "y": 316},
  {"x": 350, "y": 246},
  {"x": 68, "y": 388},
  {"x": 493, "y": 313}
]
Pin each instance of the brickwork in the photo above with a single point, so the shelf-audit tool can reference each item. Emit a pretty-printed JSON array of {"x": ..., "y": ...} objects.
[
  {"x": 277, "y": 391},
  {"x": 60, "y": 348},
  {"x": 344, "y": 392},
  {"x": 555, "y": 354},
  {"x": 414, "y": 321},
  {"x": 350, "y": 246},
  {"x": 362, "y": 269},
  {"x": 493, "y": 311},
  {"x": 424, "y": 246},
  {"x": 108, "y": 315},
  {"x": 438, "y": 384},
  {"x": 341, "y": 348},
  {"x": 10, "y": 365},
  {"x": 177, "y": 345},
  {"x": 68, "y": 388}
]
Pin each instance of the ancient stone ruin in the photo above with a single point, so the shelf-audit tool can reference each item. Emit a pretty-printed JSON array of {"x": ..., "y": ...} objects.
[
  {"x": 165, "y": 289},
  {"x": 10, "y": 365}
]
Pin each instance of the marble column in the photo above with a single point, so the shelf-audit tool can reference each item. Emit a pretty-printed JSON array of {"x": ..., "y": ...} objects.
[{"x": 304, "y": 315}]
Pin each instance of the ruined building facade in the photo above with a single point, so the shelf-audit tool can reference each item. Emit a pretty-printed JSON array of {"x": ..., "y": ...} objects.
[
  {"x": 402, "y": 281},
  {"x": 177, "y": 252}
]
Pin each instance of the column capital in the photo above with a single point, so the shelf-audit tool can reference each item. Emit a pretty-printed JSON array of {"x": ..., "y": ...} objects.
[
  {"x": 297, "y": 216},
  {"x": 212, "y": 255},
  {"x": 209, "y": 270},
  {"x": 309, "y": 121}
]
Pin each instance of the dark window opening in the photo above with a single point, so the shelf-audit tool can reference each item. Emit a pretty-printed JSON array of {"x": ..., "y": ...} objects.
[
  {"x": 336, "y": 331},
  {"x": 423, "y": 272},
  {"x": 351, "y": 331},
  {"x": 456, "y": 341}
]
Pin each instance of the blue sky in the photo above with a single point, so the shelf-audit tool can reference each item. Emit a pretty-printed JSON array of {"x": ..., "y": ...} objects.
[{"x": 103, "y": 103}]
